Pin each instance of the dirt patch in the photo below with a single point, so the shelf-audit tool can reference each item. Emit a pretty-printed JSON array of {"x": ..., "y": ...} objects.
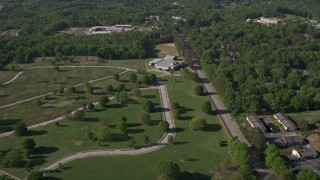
[
  {"x": 77, "y": 143},
  {"x": 314, "y": 140},
  {"x": 170, "y": 44}
]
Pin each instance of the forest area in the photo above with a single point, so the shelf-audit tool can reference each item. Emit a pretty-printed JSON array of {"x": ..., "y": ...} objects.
[
  {"x": 256, "y": 68},
  {"x": 259, "y": 68}
]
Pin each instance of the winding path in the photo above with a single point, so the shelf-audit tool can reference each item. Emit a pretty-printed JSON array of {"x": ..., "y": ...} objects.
[
  {"x": 159, "y": 144},
  {"x": 40, "y": 96},
  {"x": 167, "y": 114}
]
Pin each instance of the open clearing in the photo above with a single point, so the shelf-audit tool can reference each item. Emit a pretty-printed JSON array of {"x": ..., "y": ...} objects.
[
  {"x": 40, "y": 81},
  {"x": 54, "y": 142},
  {"x": 56, "y": 105},
  {"x": 6, "y": 75},
  {"x": 193, "y": 151},
  {"x": 166, "y": 49},
  {"x": 311, "y": 116}
]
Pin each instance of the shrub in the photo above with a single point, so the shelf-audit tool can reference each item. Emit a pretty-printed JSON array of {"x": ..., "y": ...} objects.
[
  {"x": 145, "y": 118},
  {"x": 206, "y": 107},
  {"x": 164, "y": 125},
  {"x": 198, "y": 90},
  {"x": 20, "y": 129},
  {"x": 198, "y": 123},
  {"x": 79, "y": 115}
]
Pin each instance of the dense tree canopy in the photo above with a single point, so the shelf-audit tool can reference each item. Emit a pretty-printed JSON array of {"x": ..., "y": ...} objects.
[{"x": 257, "y": 67}]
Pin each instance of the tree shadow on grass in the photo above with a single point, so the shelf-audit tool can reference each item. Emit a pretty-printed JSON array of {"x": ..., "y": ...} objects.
[
  {"x": 80, "y": 98},
  {"x": 99, "y": 93},
  {"x": 157, "y": 110},
  {"x": 192, "y": 159},
  {"x": 179, "y": 129},
  {"x": 117, "y": 105},
  {"x": 185, "y": 110},
  {"x": 9, "y": 122},
  {"x": 185, "y": 117},
  {"x": 50, "y": 178},
  {"x": 99, "y": 110},
  {"x": 213, "y": 127},
  {"x": 135, "y": 131},
  {"x": 180, "y": 142},
  {"x": 36, "y": 133},
  {"x": 154, "y": 122},
  {"x": 36, "y": 162},
  {"x": 223, "y": 143},
  {"x": 91, "y": 119},
  {"x": 134, "y": 124},
  {"x": 186, "y": 175},
  {"x": 4, "y": 96},
  {"x": 41, "y": 150},
  {"x": 119, "y": 137},
  {"x": 149, "y": 96},
  {"x": 5, "y": 129}
]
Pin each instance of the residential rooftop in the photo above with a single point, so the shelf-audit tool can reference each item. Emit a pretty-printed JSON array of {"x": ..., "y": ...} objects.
[
  {"x": 255, "y": 122},
  {"x": 285, "y": 121}
]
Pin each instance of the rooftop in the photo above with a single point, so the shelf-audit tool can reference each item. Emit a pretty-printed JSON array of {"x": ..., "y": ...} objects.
[
  {"x": 169, "y": 57},
  {"x": 256, "y": 123},
  {"x": 307, "y": 152},
  {"x": 285, "y": 121},
  {"x": 168, "y": 63}
]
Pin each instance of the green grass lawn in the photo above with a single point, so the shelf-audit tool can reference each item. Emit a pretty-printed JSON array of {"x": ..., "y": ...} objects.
[
  {"x": 311, "y": 116},
  {"x": 193, "y": 151},
  {"x": 55, "y": 142},
  {"x": 39, "y": 81},
  {"x": 57, "y": 105}
]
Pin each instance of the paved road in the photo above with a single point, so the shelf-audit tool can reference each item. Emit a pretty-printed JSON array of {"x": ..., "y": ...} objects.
[
  {"x": 159, "y": 144},
  {"x": 77, "y": 85},
  {"x": 229, "y": 123}
]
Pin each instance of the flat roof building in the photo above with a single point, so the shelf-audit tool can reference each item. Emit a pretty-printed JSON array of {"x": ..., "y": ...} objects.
[
  {"x": 167, "y": 63},
  {"x": 255, "y": 122},
  {"x": 285, "y": 122},
  {"x": 288, "y": 141},
  {"x": 304, "y": 153}
]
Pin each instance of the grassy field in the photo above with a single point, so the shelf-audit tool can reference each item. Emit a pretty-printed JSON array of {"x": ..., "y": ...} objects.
[
  {"x": 6, "y": 75},
  {"x": 193, "y": 151},
  {"x": 166, "y": 49},
  {"x": 39, "y": 81},
  {"x": 57, "y": 105},
  {"x": 311, "y": 116},
  {"x": 54, "y": 142}
]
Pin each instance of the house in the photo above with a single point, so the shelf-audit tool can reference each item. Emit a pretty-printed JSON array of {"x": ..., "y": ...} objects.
[
  {"x": 255, "y": 122},
  {"x": 267, "y": 21},
  {"x": 285, "y": 122},
  {"x": 154, "y": 62},
  {"x": 169, "y": 57},
  {"x": 304, "y": 153},
  {"x": 167, "y": 63},
  {"x": 287, "y": 141},
  {"x": 294, "y": 140}
]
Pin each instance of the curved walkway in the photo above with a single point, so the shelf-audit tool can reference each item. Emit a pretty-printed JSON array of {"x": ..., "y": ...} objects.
[
  {"x": 159, "y": 144},
  {"x": 40, "y": 96},
  {"x": 14, "y": 78}
]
